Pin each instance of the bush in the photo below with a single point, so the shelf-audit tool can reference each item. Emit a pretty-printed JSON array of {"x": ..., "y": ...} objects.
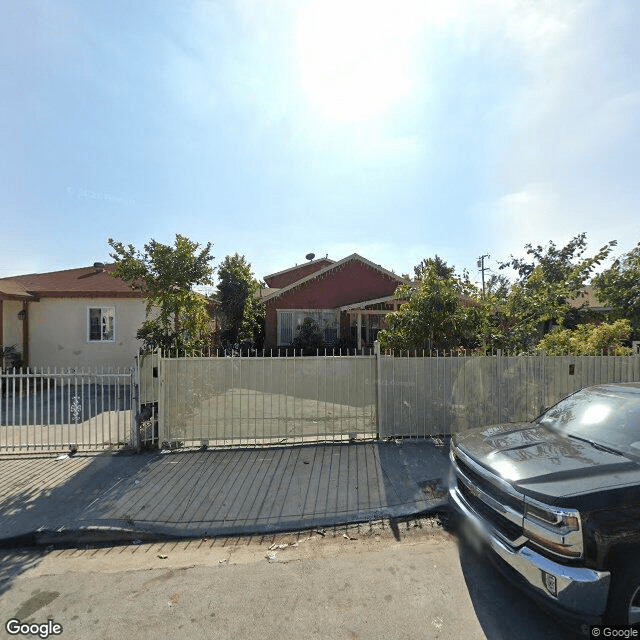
[
  {"x": 588, "y": 339},
  {"x": 308, "y": 337}
]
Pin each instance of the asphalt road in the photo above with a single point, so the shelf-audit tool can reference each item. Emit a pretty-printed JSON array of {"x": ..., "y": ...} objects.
[{"x": 387, "y": 580}]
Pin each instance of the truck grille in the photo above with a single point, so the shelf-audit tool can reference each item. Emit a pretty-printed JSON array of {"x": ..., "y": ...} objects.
[{"x": 499, "y": 508}]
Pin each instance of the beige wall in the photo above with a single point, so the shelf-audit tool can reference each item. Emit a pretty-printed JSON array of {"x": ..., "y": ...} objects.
[
  {"x": 11, "y": 325},
  {"x": 58, "y": 333}
]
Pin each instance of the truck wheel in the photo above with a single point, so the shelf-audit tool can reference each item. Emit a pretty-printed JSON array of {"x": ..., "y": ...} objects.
[{"x": 624, "y": 597}]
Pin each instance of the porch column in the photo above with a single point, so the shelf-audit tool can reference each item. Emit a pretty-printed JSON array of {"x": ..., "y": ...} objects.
[{"x": 359, "y": 331}]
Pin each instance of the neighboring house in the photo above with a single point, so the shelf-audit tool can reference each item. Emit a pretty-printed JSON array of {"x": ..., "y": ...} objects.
[
  {"x": 349, "y": 300},
  {"x": 73, "y": 318},
  {"x": 587, "y": 300}
]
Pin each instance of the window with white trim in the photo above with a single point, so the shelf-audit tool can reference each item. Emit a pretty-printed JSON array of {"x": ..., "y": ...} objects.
[
  {"x": 101, "y": 324},
  {"x": 290, "y": 319}
]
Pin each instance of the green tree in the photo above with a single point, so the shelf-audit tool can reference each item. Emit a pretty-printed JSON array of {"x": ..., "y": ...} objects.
[
  {"x": 588, "y": 339},
  {"x": 177, "y": 316},
  {"x": 441, "y": 311},
  {"x": 619, "y": 287},
  {"x": 241, "y": 313},
  {"x": 548, "y": 279}
]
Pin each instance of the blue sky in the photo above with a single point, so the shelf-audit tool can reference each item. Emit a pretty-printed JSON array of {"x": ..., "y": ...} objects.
[{"x": 278, "y": 128}]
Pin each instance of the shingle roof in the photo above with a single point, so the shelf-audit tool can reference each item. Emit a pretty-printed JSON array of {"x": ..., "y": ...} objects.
[
  {"x": 70, "y": 283},
  {"x": 331, "y": 267}
]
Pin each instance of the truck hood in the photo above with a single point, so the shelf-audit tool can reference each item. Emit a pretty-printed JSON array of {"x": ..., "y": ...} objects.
[{"x": 539, "y": 461}]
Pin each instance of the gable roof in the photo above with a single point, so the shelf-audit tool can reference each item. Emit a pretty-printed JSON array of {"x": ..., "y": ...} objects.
[
  {"x": 329, "y": 268},
  {"x": 85, "y": 282},
  {"x": 287, "y": 276}
]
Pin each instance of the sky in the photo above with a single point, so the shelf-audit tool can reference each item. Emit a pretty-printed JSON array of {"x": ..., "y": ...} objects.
[{"x": 278, "y": 128}]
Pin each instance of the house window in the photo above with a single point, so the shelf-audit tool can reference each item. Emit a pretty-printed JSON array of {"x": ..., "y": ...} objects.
[
  {"x": 101, "y": 324},
  {"x": 290, "y": 319}
]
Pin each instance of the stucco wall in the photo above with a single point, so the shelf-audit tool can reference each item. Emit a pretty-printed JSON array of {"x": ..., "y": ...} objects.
[
  {"x": 11, "y": 325},
  {"x": 58, "y": 333}
]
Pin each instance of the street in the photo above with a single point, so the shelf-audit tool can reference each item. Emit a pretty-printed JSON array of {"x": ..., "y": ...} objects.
[{"x": 381, "y": 580}]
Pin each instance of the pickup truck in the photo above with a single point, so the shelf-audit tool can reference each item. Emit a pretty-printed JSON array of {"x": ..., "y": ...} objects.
[{"x": 557, "y": 502}]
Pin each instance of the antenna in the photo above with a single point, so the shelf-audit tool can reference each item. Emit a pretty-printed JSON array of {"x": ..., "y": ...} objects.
[{"x": 310, "y": 256}]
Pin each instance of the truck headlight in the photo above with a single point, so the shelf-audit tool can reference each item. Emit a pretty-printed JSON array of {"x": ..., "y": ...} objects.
[{"x": 553, "y": 528}]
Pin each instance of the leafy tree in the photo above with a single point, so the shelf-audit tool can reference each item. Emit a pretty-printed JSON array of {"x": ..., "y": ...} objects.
[
  {"x": 619, "y": 287},
  {"x": 177, "y": 316},
  {"x": 588, "y": 339},
  {"x": 540, "y": 298},
  {"x": 441, "y": 311},
  {"x": 242, "y": 314}
]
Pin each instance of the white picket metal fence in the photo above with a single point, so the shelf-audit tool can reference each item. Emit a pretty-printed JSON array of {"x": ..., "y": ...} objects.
[
  {"x": 423, "y": 396},
  {"x": 231, "y": 401},
  {"x": 220, "y": 401},
  {"x": 66, "y": 410}
]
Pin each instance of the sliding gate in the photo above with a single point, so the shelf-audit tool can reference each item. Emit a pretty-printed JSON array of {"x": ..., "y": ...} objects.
[{"x": 221, "y": 401}]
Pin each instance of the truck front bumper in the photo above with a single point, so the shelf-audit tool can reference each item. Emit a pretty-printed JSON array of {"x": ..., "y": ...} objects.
[{"x": 579, "y": 592}]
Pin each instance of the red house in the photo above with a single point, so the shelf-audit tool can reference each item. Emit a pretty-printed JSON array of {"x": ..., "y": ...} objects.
[{"x": 348, "y": 299}]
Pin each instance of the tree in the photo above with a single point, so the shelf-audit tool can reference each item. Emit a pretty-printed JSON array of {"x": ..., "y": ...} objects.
[
  {"x": 540, "y": 298},
  {"x": 177, "y": 317},
  {"x": 619, "y": 287},
  {"x": 242, "y": 314},
  {"x": 441, "y": 311}
]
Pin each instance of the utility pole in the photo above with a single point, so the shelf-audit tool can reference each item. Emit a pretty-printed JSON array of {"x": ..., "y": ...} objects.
[{"x": 482, "y": 268}]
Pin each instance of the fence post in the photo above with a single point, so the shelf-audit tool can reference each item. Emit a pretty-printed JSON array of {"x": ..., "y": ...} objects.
[
  {"x": 499, "y": 380},
  {"x": 376, "y": 373},
  {"x": 135, "y": 404},
  {"x": 161, "y": 399}
]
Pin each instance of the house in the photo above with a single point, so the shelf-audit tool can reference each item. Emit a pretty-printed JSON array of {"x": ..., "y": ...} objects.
[
  {"x": 587, "y": 300},
  {"x": 74, "y": 318},
  {"x": 348, "y": 299}
]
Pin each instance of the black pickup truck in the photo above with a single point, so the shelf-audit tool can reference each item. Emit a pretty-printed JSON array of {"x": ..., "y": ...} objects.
[{"x": 557, "y": 501}]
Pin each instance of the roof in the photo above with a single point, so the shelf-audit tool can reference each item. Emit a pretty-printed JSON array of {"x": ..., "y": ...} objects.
[
  {"x": 332, "y": 267},
  {"x": 587, "y": 298},
  {"x": 85, "y": 282},
  {"x": 279, "y": 273}
]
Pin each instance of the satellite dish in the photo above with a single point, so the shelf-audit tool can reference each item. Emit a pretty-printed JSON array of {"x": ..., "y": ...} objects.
[{"x": 310, "y": 256}]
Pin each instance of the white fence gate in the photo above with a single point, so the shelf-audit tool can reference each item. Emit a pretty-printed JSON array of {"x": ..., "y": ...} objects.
[
  {"x": 70, "y": 409},
  {"x": 218, "y": 401}
]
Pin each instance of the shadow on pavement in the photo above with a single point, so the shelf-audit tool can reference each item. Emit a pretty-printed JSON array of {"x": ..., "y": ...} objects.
[
  {"x": 123, "y": 497},
  {"x": 503, "y": 611},
  {"x": 41, "y": 498}
]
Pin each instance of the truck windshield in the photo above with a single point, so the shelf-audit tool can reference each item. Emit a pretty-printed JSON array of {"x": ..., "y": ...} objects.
[{"x": 610, "y": 417}]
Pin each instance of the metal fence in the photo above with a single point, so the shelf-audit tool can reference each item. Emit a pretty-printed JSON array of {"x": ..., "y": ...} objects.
[
  {"x": 68, "y": 409},
  {"x": 190, "y": 401},
  {"x": 422, "y": 396}
]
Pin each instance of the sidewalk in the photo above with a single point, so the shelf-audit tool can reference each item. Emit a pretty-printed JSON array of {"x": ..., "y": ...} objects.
[{"x": 119, "y": 497}]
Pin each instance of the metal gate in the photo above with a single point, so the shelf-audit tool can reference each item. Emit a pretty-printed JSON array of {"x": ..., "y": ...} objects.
[
  {"x": 222, "y": 401},
  {"x": 66, "y": 410}
]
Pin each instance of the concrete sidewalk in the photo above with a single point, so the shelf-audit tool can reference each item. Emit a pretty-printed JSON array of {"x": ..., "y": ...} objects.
[{"x": 120, "y": 497}]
